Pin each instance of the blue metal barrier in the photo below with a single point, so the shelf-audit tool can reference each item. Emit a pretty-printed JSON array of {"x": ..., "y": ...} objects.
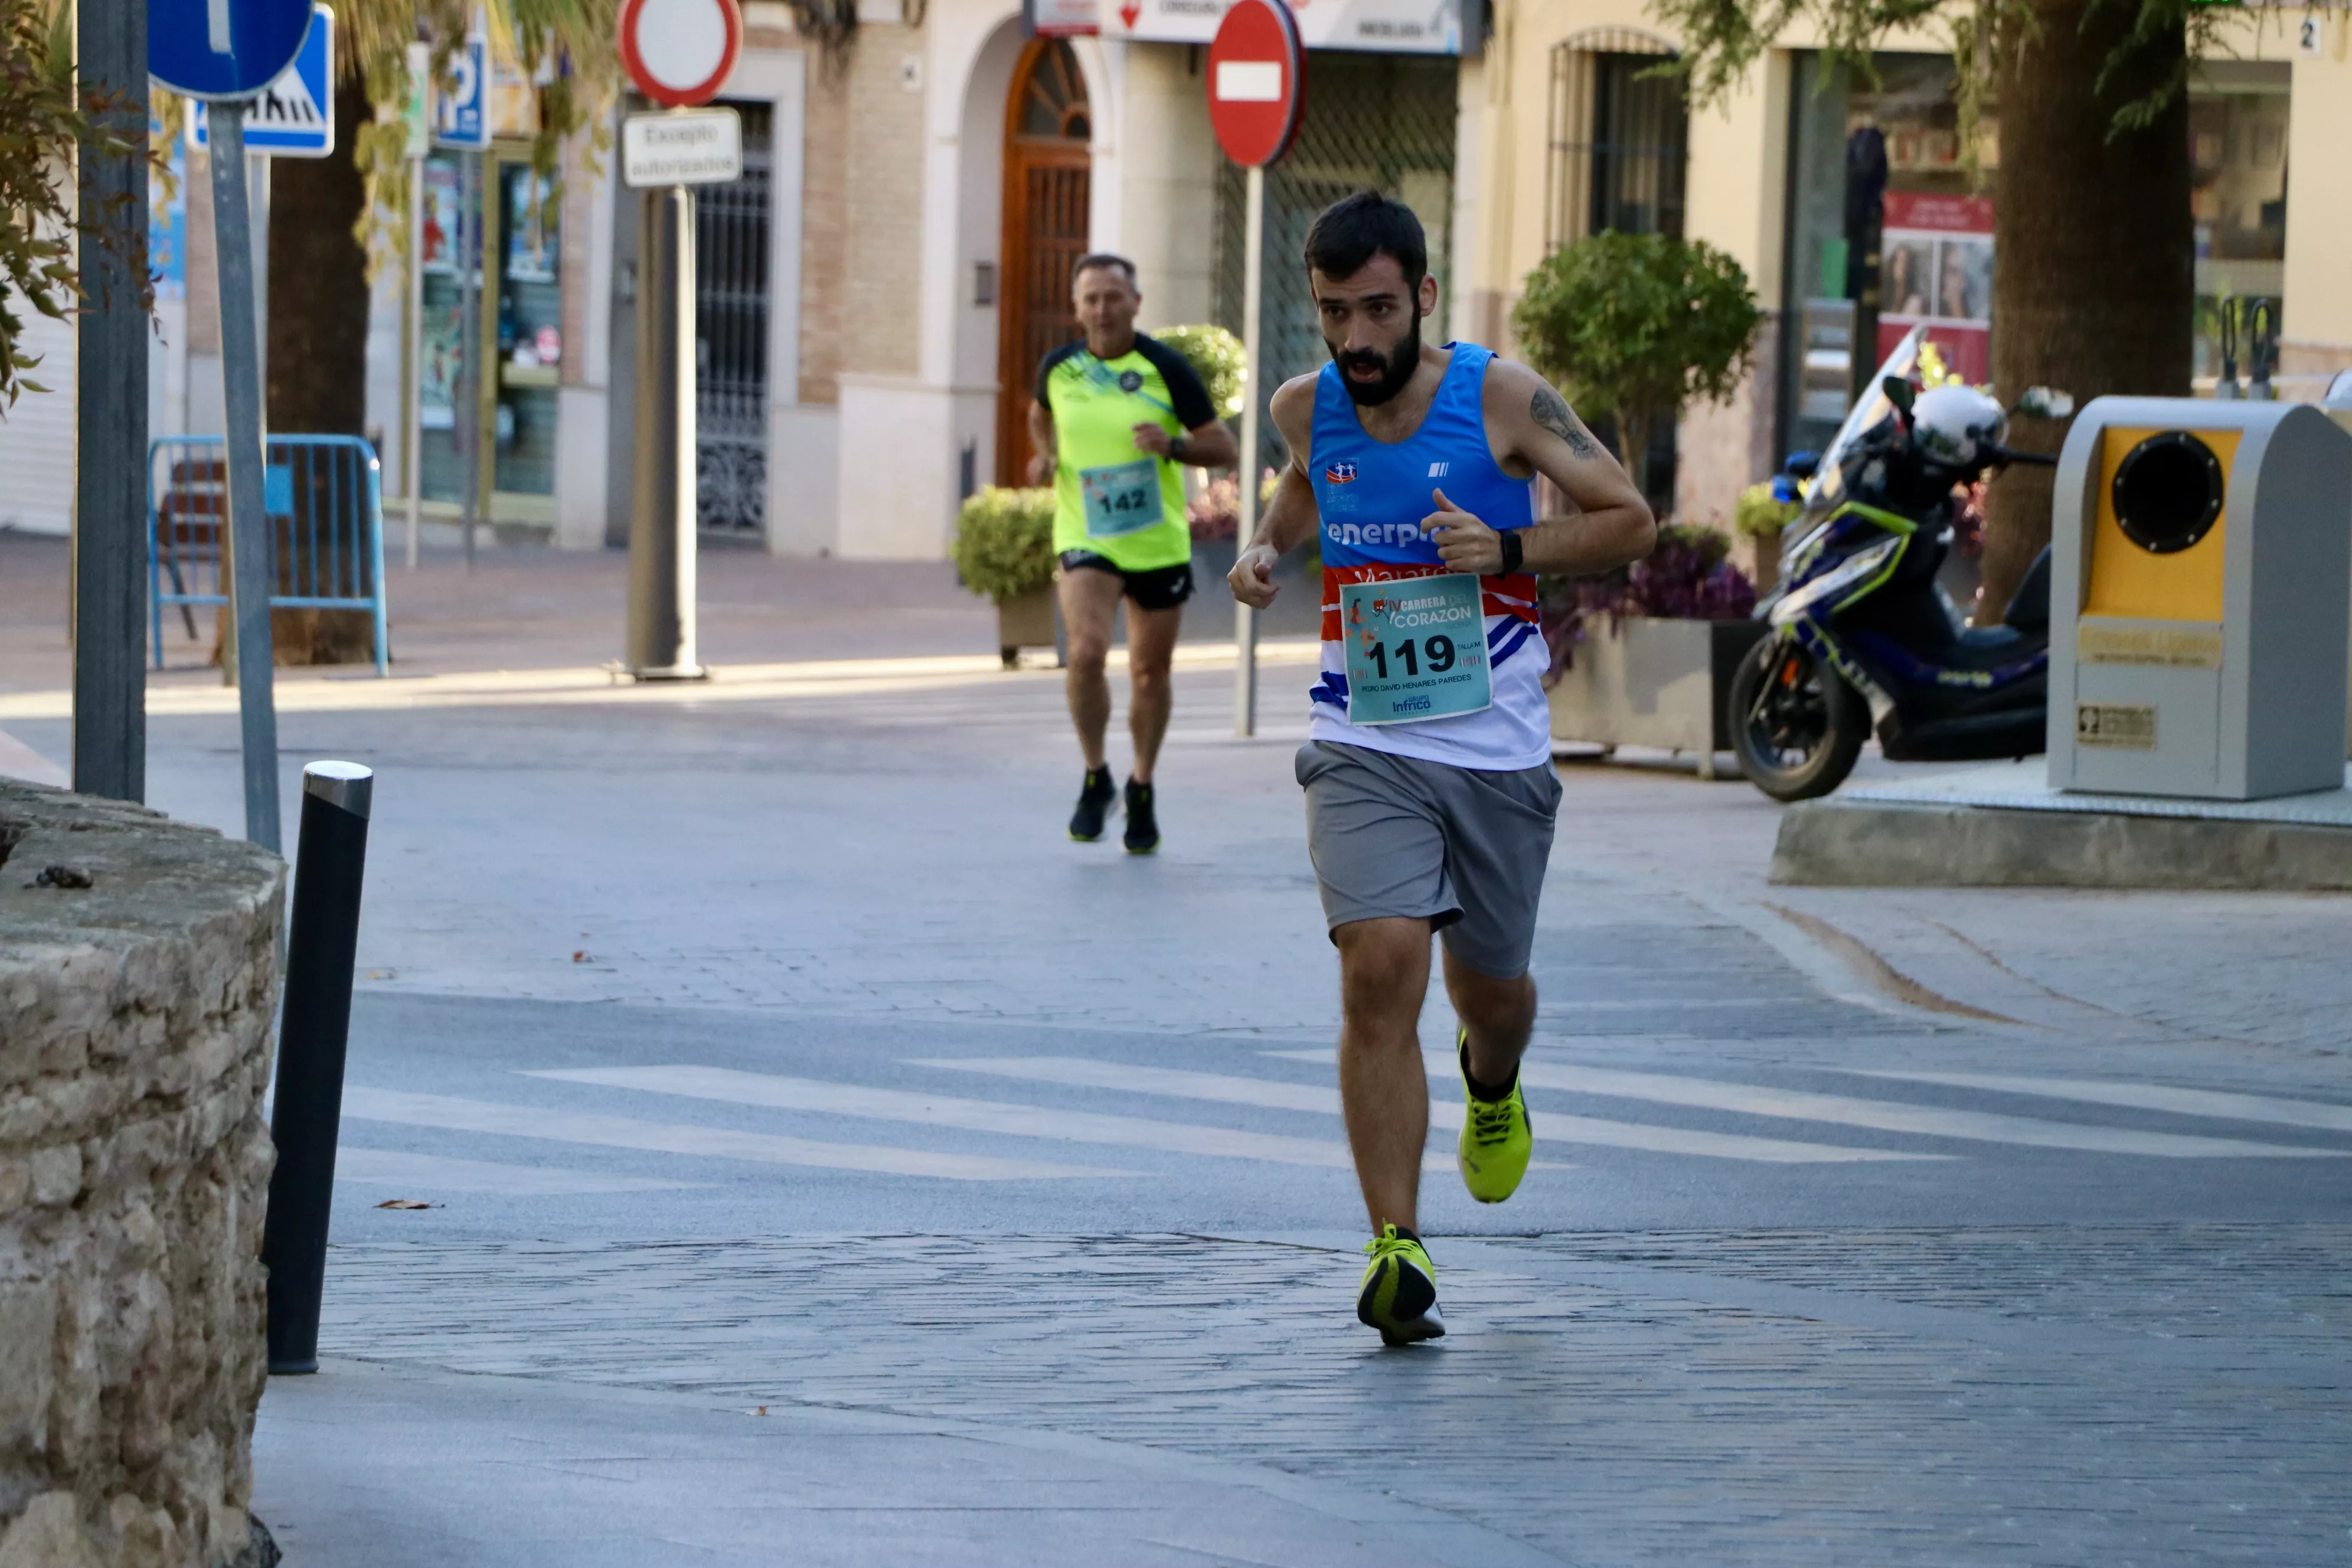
[{"x": 323, "y": 499}]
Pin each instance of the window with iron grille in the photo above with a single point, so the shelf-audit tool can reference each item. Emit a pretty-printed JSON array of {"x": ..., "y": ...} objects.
[
  {"x": 1619, "y": 139},
  {"x": 1378, "y": 121}
]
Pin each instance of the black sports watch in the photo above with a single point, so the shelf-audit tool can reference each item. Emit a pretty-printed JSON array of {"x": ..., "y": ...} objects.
[
  {"x": 1513, "y": 551},
  {"x": 1176, "y": 448}
]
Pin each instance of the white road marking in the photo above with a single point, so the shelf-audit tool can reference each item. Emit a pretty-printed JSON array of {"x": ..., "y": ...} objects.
[
  {"x": 972, "y": 1115},
  {"x": 2151, "y": 1096},
  {"x": 1080, "y": 1072},
  {"x": 1879, "y": 1115},
  {"x": 711, "y": 1142},
  {"x": 439, "y": 1174}
]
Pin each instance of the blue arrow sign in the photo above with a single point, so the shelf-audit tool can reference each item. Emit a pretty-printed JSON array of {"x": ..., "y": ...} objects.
[
  {"x": 295, "y": 115},
  {"x": 464, "y": 119},
  {"x": 221, "y": 49}
]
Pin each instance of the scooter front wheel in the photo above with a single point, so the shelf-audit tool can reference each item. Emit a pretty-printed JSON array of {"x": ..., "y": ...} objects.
[{"x": 1795, "y": 723}]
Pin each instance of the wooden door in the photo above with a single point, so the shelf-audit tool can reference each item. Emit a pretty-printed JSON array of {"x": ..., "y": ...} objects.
[{"x": 1047, "y": 165}]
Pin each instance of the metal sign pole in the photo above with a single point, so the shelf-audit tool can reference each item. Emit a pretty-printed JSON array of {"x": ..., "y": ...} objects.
[
  {"x": 249, "y": 544},
  {"x": 411, "y": 402},
  {"x": 1246, "y": 618},
  {"x": 110, "y": 521},
  {"x": 661, "y": 640},
  {"x": 472, "y": 257}
]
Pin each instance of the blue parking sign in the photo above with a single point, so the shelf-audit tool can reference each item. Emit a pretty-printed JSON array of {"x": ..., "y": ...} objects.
[
  {"x": 464, "y": 119},
  {"x": 219, "y": 49}
]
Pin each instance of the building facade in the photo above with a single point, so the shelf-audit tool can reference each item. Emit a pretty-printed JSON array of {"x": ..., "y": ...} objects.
[{"x": 1849, "y": 203}]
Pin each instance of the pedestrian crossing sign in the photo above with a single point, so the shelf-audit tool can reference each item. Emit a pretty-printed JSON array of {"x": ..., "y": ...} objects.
[{"x": 294, "y": 116}]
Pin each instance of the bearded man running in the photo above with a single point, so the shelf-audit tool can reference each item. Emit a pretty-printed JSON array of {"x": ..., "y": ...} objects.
[{"x": 1430, "y": 789}]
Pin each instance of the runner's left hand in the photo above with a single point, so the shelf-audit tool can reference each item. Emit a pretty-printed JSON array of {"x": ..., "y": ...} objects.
[
  {"x": 1463, "y": 542},
  {"x": 1152, "y": 438}
]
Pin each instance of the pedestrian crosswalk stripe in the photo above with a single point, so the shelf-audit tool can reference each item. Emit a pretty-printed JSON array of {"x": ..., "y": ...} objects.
[
  {"x": 714, "y": 1142},
  {"x": 2151, "y": 1096},
  {"x": 1084, "y": 1073},
  {"x": 972, "y": 1115},
  {"x": 440, "y": 1173},
  {"x": 1878, "y": 1115}
]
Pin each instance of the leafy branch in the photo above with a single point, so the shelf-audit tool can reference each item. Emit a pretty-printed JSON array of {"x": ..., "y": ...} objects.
[{"x": 46, "y": 121}]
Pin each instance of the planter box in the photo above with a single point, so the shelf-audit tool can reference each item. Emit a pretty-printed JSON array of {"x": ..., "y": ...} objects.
[
  {"x": 1031, "y": 620},
  {"x": 1653, "y": 683}
]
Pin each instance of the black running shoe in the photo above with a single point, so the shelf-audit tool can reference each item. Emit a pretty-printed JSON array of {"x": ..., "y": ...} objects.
[
  {"x": 1094, "y": 803},
  {"x": 1142, "y": 825}
]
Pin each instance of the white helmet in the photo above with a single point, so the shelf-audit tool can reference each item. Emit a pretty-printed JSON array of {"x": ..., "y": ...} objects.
[{"x": 1953, "y": 425}]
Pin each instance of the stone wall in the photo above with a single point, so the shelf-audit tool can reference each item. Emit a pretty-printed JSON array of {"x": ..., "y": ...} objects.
[{"x": 135, "y": 1030}]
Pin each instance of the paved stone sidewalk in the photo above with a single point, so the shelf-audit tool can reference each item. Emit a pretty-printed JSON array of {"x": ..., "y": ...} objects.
[{"x": 1926, "y": 1396}]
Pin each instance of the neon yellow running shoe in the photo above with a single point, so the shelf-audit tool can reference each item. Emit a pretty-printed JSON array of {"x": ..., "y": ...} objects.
[
  {"x": 1496, "y": 1136},
  {"x": 1399, "y": 1294}
]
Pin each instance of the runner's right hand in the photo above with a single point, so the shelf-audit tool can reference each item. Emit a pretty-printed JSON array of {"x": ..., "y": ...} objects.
[{"x": 1252, "y": 578}]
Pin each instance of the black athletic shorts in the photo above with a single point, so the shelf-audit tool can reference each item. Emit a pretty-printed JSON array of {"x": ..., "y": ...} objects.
[{"x": 1161, "y": 588}]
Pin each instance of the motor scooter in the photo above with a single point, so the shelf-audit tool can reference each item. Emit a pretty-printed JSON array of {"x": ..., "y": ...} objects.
[{"x": 1863, "y": 638}]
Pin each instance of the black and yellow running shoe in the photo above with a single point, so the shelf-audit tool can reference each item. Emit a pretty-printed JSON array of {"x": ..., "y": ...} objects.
[
  {"x": 1094, "y": 803},
  {"x": 1142, "y": 822},
  {"x": 1496, "y": 1136},
  {"x": 1400, "y": 1293}
]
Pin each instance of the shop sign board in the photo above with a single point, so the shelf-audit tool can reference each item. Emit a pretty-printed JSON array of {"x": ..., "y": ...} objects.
[
  {"x": 684, "y": 147},
  {"x": 1062, "y": 18},
  {"x": 1390, "y": 27},
  {"x": 1934, "y": 270},
  {"x": 678, "y": 52},
  {"x": 1256, "y": 82},
  {"x": 464, "y": 120},
  {"x": 224, "y": 49},
  {"x": 294, "y": 116}
]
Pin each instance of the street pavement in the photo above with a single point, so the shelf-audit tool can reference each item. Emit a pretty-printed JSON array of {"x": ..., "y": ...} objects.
[{"x": 828, "y": 1162}]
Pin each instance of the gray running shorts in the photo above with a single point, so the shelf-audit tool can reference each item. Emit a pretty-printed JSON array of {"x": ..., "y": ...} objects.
[{"x": 1461, "y": 847}]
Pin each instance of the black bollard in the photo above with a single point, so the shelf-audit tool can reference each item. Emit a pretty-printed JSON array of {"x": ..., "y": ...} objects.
[{"x": 312, "y": 1031}]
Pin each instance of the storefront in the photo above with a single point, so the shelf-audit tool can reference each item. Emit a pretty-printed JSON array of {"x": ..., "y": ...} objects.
[
  {"x": 518, "y": 322},
  {"x": 1851, "y": 203}
]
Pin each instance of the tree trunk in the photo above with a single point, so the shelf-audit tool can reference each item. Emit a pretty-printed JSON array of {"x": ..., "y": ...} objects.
[
  {"x": 1633, "y": 449},
  {"x": 318, "y": 343},
  {"x": 2094, "y": 282}
]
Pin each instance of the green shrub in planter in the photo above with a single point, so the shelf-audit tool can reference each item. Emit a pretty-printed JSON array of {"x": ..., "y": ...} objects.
[
  {"x": 1216, "y": 357},
  {"x": 1637, "y": 326},
  {"x": 1004, "y": 543}
]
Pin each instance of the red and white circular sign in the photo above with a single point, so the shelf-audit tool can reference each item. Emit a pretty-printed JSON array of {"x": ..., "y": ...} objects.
[
  {"x": 1257, "y": 81},
  {"x": 679, "y": 51}
]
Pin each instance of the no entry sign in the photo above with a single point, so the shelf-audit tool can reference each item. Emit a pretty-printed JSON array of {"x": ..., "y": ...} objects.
[
  {"x": 1257, "y": 83},
  {"x": 679, "y": 51}
]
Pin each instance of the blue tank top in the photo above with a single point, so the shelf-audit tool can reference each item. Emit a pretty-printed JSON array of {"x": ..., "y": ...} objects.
[{"x": 1373, "y": 496}]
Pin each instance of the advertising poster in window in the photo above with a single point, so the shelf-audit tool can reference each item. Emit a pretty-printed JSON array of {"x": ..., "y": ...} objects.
[{"x": 1936, "y": 267}]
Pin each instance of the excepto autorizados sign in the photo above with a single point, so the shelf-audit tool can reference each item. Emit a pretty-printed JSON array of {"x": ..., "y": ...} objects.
[{"x": 685, "y": 147}]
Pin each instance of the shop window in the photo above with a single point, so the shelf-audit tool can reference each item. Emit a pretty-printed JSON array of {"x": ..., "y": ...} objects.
[
  {"x": 1885, "y": 232},
  {"x": 2237, "y": 148}
]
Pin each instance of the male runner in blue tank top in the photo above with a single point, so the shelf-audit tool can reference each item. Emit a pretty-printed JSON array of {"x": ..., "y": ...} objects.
[{"x": 1430, "y": 790}]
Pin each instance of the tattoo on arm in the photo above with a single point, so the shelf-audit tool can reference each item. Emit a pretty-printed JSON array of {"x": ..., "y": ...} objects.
[{"x": 1549, "y": 410}]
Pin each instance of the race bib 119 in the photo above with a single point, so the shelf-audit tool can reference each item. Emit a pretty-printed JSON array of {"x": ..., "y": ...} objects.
[{"x": 1416, "y": 648}]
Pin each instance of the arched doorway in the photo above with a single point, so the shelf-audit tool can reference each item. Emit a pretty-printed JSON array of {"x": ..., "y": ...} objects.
[{"x": 1047, "y": 130}]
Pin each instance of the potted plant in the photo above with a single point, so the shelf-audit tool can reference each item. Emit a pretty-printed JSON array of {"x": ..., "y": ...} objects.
[
  {"x": 1759, "y": 518},
  {"x": 1637, "y": 326},
  {"x": 1005, "y": 551},
  {"x": 1642, "y": 656}
]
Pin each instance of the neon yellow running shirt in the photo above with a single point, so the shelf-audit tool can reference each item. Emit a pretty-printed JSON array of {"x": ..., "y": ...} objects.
[{"x": 1111, "y": 498}]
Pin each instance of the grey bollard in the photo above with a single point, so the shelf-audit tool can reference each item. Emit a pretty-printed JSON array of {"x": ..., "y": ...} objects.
[{"x": 314, "y": 1027}]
